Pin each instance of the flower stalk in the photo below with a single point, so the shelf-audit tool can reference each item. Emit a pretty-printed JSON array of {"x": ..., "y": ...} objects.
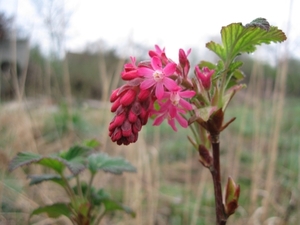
[{"x": 215, "y": 170}]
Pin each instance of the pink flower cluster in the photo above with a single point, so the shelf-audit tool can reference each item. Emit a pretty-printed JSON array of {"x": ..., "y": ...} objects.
[{"x": 153, "y": 88}]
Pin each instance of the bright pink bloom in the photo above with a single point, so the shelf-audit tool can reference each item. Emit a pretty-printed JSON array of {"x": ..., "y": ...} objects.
[
  {"x": 177, "y": 98},
  {"x": 171, "y": 120},
  {"x": 204, "y": 76},
  {"x": 158, "y": 77},
  {"x": 173, "y": 107},
  {"x": 147, "y": 82}
]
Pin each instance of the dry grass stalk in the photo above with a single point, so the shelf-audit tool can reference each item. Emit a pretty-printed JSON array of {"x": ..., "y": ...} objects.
[{"x": 204, "y": 175}]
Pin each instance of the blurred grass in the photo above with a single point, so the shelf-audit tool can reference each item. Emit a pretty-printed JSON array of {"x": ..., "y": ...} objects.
[
  {"x": 171, "y": 186},
  {"x": 176, "y": 198}
]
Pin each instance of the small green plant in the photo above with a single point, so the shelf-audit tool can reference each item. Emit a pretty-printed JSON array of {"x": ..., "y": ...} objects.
[{"x": 85, "y": 204}]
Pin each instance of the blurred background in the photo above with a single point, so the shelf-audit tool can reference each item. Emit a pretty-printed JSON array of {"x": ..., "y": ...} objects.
[{"x": 61, "y": 59}]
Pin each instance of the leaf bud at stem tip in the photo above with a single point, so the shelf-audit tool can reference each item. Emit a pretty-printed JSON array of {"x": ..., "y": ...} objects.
[
  {"x": 205, "y": 156},
  {"x": 231, "y": 196}
]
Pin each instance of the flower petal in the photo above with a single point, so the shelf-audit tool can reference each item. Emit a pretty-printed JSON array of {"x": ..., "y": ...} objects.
[
  {"x": 169, "y": 69},
  {"x": 147, "y": 84},
  {"x": 172, "y": 111},
  {"x": 171, "y": 122},
  {"x": 159, "y": 91},
  {"x": 187, "y": 94},
  {"x": 170, "y": 84},
  {"x": 146, "y": 72},
  {"x": 158, "y": 120},
  {"x": 185, "y": 104},
  {"x": 156, "y": 63},
  {"x": 181, "y": 121}
]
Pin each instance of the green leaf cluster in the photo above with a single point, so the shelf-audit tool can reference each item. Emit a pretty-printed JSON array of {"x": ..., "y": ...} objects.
[
  {"x": 85, "y": 201},
  {"x": 235, "y": 40},
  {"x": 77, "y": 158}
]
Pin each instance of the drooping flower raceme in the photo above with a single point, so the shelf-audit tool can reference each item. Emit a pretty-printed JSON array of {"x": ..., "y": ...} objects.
[{"x": 157, "y": 80}]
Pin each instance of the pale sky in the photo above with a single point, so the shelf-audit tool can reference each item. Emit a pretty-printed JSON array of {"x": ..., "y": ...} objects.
[{"x": 172, "y": 24}]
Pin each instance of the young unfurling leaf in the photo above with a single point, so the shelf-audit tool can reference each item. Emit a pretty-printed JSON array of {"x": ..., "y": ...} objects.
[{"x": 237, "y": 38}]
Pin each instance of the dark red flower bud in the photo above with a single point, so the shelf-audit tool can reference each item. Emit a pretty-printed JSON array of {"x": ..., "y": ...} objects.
[
  {"x": 132, "y": 138},
  {"x": 132, "y": 117},
  {"x": 117, "y": 134},
  {"x": 114, "y": 95},
  {"x": 137, "y": 126},
  {"x": 144, "y": 116},
  {"x": 126, "y": 129},
  {"x": 129, "y": 75},
  {"x": 131, "y": 112},
  {"x": 119, "y": 119},
  {"x": 115, "y": 105},
  {"x": 136, "y": 108},
  {"x": 128, "y": 98},
  {"x": 144, "y": 94}
]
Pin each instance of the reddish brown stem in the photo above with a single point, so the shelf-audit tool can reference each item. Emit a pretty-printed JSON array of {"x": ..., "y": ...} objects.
[{"x": 215, "y": 172}]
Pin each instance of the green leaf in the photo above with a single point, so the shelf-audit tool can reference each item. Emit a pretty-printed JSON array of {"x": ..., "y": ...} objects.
[
  {"x": 22, "y": 159},
  {"x": 115, "y": 165},
  {"x": 102, "y": 197},
  {"x": 237, "y": 38},
  {"x": 112, "y": 205},
  {"x": 36, "y": 179},
  {"x": 56, "y": 163},
  {"x": 27, "y": 158},
  {"x": 217, "y": 48},
  {"x": 75, "y": 152},
  {"x": 53, "y": 211},
  {"x": 75, "y": 166},
  {"x": 81, "y": 205},
  {"x": 235, "y": 65},
  {"x": 76, "y": 158},
  {"x": 93, "y": 143},
  {"x": 238, "y": 75},
  {"x": 52, "y": 162},
  {"x": 234, "y": 75},
  {"x": 207, "y": 64}
]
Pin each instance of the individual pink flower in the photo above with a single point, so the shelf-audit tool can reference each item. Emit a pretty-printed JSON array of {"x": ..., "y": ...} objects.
[
  {"x": 158, "y": 77},
  {"x": 176, "y": 97},
  {"x": 171, "y": 120},
  {"x": 173, "y": 107},
  {"x": 204, "y": 76}
]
